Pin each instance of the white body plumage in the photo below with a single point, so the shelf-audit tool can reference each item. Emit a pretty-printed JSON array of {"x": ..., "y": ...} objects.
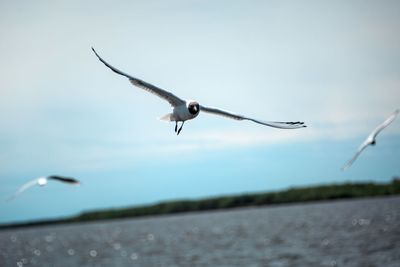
[{"x": 187, "y": 111}]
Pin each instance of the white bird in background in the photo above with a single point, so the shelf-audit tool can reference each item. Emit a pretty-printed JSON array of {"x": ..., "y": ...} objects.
[
  {"x": 371, "y": 139},
  {"x": 42, "y": 181},
  {"x": 184, "y": 110}
]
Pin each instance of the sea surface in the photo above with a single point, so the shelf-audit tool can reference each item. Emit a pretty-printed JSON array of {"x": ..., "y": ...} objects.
[{"x": 341, "y": 233}]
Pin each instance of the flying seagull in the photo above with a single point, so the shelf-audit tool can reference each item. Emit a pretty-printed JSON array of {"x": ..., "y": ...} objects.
[
  {"x": 371, "y": 139},
  {"x": 42, "y": 181},
  {"x": 184, "y": 110}
]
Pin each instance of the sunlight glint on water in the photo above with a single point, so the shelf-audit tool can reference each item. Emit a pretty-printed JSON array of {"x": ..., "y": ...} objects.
[{"x": 343, "y": 233}]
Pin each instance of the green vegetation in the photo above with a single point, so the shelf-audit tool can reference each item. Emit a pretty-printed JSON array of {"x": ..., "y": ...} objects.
[
  {"x": 305, "y": 194},
  {"x": 326, "y": 192}
]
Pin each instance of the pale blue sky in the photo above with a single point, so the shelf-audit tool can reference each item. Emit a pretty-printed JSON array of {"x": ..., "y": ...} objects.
[{"x": 333, "y": 64}]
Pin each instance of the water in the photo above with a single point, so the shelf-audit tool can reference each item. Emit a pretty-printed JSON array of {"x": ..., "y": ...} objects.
[{"x": 343, "y": 233}]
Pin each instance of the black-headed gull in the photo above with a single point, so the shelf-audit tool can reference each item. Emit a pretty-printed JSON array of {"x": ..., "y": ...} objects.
[
  {"x": 184, "y": 110},
  {"x": 371, "y": 139},
  {"x": 42, "y": 181}
]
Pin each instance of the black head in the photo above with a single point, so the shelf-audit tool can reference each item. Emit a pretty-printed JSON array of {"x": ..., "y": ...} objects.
[
  {"x": 373, "y": 143},
  {"x": 193, "y": 108}
]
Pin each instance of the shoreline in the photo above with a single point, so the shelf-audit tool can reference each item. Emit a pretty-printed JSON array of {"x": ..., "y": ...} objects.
[{"x": 291, "y": 196}]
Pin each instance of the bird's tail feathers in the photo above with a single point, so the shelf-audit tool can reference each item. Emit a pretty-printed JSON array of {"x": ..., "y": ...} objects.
[{"x": 166, "y": 117}]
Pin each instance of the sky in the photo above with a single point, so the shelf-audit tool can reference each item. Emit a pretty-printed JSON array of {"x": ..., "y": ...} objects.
[{"x": 333, "y": 64}]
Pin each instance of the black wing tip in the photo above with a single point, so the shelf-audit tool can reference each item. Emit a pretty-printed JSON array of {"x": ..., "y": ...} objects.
[
  {"x": 300, "y": 126},
  {"x": 292, "y": 122},
  {"x": 65, "y": 179},
  {"x": 297, "y": 123},
  {"x": 94, "y": 51}
]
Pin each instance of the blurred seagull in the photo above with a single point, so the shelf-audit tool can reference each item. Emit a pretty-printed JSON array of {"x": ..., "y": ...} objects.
[
  {"x": 371, "y": 139},
  {"x": 42, "y": 181},
  {"x": 184, "y": 110}
]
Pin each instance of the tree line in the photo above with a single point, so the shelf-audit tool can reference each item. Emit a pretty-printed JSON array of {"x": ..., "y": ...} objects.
[{"x": 292, "y": 195}]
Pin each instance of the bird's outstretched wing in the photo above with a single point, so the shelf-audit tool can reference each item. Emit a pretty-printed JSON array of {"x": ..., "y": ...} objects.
[
  {"x": 360, "y": 149},
  {"x": 276, "y": 124},
  {"x": 384, "y": 124},
  {"x": 371, "y": 138},
  {"x": 22, "y": 188},
  {"x": 67, "y": 180},
  {"x": 171, "y": 98}
]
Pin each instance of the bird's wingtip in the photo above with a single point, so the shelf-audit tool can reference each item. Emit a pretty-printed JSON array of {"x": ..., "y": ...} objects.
[
  {"x": 300, "y": 124},
  {"x": 345, "y": 167},
  {"x": 94, "y": 51}
]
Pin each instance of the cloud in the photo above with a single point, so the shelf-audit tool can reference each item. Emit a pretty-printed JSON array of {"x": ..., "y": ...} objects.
[{"x": 57, "y": 98}]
